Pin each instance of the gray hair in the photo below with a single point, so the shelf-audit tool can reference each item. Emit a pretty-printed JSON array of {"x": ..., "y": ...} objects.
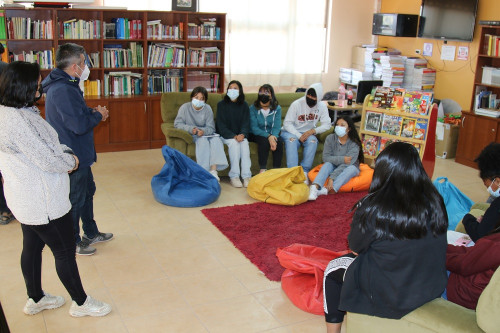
[{"x": 68, "y": 54}]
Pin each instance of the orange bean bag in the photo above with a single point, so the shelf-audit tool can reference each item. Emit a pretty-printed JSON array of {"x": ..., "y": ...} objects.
[{"x": 359, "y": 183}]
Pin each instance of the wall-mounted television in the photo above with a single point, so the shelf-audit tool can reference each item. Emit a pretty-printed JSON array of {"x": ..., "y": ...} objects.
[{"x": 448, "y": 19}]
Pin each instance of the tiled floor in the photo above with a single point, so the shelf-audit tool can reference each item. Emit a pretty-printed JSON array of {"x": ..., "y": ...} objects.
[{"x": 168, "y": 269}]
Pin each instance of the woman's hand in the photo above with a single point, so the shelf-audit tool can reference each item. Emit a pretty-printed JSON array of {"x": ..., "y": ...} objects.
[
  {"x": 200, "y": 132},
  {"x": 307, "y": 134},
  {"x": 347, "y": 159},
  {"x": 272, "y": 142},
  {"x": 77, "y": 162},
  {"x": 239, "y": 137},
  {"x": 194, "y": 131}
]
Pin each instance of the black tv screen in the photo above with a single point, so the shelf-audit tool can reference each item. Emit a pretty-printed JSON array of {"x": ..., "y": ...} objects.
[{"x": 447, "y": 19}]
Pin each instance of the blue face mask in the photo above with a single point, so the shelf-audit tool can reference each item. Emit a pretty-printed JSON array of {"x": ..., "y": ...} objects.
[
  {"x": 197, "y": 103},
  {"x": 340, "y": 131},
  {"x": 233, "y": 94},
  {"x": 496, "y": 193}
]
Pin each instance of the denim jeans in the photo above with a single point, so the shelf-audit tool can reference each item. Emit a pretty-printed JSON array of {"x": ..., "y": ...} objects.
[
  {"x": 58, "y": 236},
  {"x": 327, "y": 168},
  {"x": 81, "y": 195},
  {"x": 210, "y": 151},
  {"x": 292, "y": 144},
  {"x": 239, "y": 150}
]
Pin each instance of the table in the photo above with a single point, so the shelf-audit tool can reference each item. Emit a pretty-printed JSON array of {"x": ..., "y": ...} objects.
[{"x": 352, "y": 108}]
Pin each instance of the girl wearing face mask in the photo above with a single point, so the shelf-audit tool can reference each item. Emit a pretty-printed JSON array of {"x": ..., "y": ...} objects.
[
  {"x": 488, "y": 162},
  {"x": 342, "y": 154},
  {"x": 265, "y": 126},
  {"x": 196, "y": 118},
  {"x": 233, "y": 124}
]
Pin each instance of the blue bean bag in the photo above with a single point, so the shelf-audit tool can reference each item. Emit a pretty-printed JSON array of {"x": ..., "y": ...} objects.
[{"x": 183, "y": 183}]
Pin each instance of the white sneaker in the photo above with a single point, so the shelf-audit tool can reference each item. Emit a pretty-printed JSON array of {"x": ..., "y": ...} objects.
[
  {"x": 47, "y": 302},
  {"x": 307, "y": 179},
  {"x": 91, "y": 307},
  {"x": 323, "y": 191},
  {"x": 246, "y": 181},
  {"x": 313, "y": 192},
  {"x": 236, "y": 182},
  {"x": 214, "y": 173}
]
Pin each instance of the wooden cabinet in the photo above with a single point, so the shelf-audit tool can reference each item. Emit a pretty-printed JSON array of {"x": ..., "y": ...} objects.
[{"x": 476, "y": 132}]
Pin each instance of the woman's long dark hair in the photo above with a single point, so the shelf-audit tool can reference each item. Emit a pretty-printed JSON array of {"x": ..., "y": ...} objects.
[
  {"x": 19, "y": 84},
  {"x": 353, "y": 136},
  {"x": 274, "y": 102},
  {"x": 241, "y": 97},
  {"x": 402, "y": 202}
]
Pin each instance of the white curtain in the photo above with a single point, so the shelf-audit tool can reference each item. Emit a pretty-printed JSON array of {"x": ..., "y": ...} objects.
[{"x": 281, "y": 42}]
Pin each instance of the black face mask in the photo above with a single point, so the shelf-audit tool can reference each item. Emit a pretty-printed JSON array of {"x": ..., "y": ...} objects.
[
  {"x": 310, "y": 102},
  {"x": 264, "y": 98},
  {"x": 40, "y": 91}
]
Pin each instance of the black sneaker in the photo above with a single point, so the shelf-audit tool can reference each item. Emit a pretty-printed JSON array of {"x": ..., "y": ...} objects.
[
  {"x": 83, "y": 248},
  {"x": 99, "y": 238}
]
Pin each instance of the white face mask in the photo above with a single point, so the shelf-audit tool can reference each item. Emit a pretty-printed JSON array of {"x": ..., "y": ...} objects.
[
  {"x": 197, "y": 103},
  {"x": 233, "y": 94},
  {"x": 85, "y": 73},
  {"x": 496, "y": 193},
  {"x": 340, "y": 131}
]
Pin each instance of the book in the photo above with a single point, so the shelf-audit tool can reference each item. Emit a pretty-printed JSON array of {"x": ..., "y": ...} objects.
[
  {"x": 420, "y": 129},
  {"x": 391, "y": 124},
  {"x": 373, "y": 120},
  {"x": 384, "y": 142},
  {"x": 397, "y": 99},
  {"x": 370, "y": 144},
  {"x": 408, "y": 127},
  {"x": 382, "y": 98}
]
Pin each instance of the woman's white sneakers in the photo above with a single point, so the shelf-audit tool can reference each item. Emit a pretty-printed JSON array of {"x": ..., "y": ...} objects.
[
  {"x": 314, "y": 192},
  {"x": 91, "y": 307},
  {"x": 47, "y": 302},
  {"x": 215, "y": 174}
]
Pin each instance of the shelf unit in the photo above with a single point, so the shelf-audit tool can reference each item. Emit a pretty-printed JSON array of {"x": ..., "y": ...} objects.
[
  {"x": 135, "y": 119},
  {"x": 375, "y": 131},
  {"x": 477, "y": 131}
]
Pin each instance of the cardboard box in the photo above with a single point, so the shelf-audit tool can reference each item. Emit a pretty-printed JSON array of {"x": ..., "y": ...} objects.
[{"x": 446, "y": 140}]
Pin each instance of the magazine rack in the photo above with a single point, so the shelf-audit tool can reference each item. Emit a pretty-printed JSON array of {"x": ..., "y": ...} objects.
[{"x": 380, "y": 127}]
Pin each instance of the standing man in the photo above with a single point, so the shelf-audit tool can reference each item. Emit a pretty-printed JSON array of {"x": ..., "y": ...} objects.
[
  {"x": 74, "y": 121},
  {"x": 301, "y": 126}
]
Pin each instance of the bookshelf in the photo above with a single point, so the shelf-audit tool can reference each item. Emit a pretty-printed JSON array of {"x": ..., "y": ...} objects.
[
  {"x": 380, "y": 127},
  {"x": 133, "y": 57},
  {"x": 480, "y": 125}
]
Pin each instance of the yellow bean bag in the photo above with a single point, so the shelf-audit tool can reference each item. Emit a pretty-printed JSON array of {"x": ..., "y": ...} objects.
[
  {"x": 284, "y": 186},
  {"x": 359, "y": 183}
]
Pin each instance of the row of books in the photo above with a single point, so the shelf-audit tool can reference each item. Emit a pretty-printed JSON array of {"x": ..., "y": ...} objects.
[
  {"x": 166, "y": 55},
  {"x": 374, "y": 145},
  {"x": 43, "y": 58},
  {"x": 205, "y": 31},
  {"x": 417, "y": 75},
  {"x": 203, "y": 56},
  {"x": 491, "y": 46},
  {"x": 209, "y": 80},
  {"x": 411, "y": 101},
  {"x": 92, "y": 88},
  {"x": 26, "y": 28},
  {"x": 80, "y": 29},
  {"x": 114, "y": 56},
  {"x": 156, "y": 30},
  {"x": 405, "y": 127},
  {"x": 92, "y": 59},
  {"x": 165, "y": 80},
  {"x": 486, "y": 103},
  {"x": 123, "y": 28},
  {"x": 393, "y": 70},
  {"x": 122, "y": 84}
]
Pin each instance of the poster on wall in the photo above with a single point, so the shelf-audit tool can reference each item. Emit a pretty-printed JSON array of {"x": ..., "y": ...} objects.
[
  {"x": 427, "y": 49},
  {"x": 448, "y": 52},
  {"x": 463, "y": 53}
]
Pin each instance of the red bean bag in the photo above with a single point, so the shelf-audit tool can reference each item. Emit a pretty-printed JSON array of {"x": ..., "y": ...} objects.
[
  {"x": 359, "y": 183},
  {"x": 302, "y": 281}
]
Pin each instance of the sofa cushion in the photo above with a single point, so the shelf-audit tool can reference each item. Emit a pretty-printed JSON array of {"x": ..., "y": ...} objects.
[{"x": 488, "y": 306}]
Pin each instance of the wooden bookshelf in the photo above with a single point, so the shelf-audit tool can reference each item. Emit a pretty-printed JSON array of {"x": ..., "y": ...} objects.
[{"x": 135, "y": 117}]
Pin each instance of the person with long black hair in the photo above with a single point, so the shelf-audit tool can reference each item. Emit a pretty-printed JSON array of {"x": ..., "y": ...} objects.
[
  {"x": 265, "y": 127},
  {"x": 342, "y": 154},
  {"x": 35, "y": 168},
  {"x": 398, "y": 243}
]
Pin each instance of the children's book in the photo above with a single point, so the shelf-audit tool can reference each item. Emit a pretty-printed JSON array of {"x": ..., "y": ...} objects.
[
  {"x": 384, "y": 142},
  {"x": 408, "y": 127},
  {"x": 411, "y": 101},
  {"x": 372, "y": 121},
  {"x": 391, "y": 124},
  {"x": 370, "y": 144},
  {"x": 425, "y": 103},
  {"x": 397, "y": 99},
  {"x": 382, "y": 98},
  {"x": 420, "y": 129}
]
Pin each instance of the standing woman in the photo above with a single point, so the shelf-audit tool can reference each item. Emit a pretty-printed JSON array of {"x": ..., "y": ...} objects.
[
  {"x": 35, "y": 168},
  {"x": 342, "y": 154},
  {"x": 265, "y": 126},
  {"x": 233, "y": 124},
  {"x": 398, "y": 239},
  {"x": 197, "y": 118}
]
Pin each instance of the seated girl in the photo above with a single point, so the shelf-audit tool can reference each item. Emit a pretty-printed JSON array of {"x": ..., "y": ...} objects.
[
  {"x": 265, "y": 125},
  {"x": 398, "y": 239},
  {"x": 342, "y": 154},
  {"x": 197, "y": 118}
]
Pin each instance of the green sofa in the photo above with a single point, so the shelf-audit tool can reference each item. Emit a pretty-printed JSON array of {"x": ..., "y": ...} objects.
[
  {"x": 183, "y": 141},
  {"x": 438, "y": 316}
]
